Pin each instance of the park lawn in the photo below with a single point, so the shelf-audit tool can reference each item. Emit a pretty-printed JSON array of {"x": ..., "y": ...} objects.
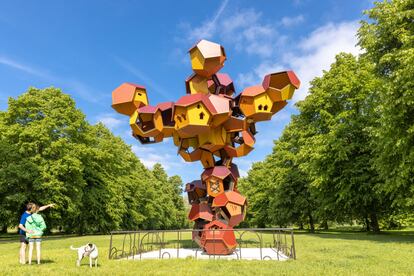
[{"x": 325, "y": 253}]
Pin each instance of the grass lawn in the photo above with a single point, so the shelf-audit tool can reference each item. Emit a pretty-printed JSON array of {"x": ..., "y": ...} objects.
[{"x": 324, "y": 253}]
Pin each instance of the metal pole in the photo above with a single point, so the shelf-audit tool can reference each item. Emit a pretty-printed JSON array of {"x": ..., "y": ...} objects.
[
  {"x": 110, "y": 247},
  {"x": 293, "y": 245}
]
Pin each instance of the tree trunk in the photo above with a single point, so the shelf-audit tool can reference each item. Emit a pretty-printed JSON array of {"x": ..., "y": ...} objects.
[
  {"x": 367, "y": 228},
  {"x": 311, "y": 224},
  {"x": 374, "y": 223},
  {"x": 4, "y": 229},
  {"x": 300, "y": 226},
  {"x": 325, "y": 225}
]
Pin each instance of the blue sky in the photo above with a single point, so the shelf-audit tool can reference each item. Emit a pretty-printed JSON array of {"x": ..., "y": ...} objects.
[{"x": 88, "y": 48}]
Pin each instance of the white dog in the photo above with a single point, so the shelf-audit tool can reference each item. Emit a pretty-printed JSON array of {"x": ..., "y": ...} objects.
[{"x": 90, "y": 250}]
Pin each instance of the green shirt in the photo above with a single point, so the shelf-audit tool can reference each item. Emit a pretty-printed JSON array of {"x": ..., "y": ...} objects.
[{"x": 37, "y": 224}]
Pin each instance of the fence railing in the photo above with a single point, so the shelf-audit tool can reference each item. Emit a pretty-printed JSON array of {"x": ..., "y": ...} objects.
[{"x": 173, "y": 243}]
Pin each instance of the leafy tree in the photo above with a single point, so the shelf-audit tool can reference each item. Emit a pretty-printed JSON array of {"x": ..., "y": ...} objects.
[
  {"x": 340, "y": 112},
  {"x": 388, "y": 42},
  {"x": 50, "y": 153}
]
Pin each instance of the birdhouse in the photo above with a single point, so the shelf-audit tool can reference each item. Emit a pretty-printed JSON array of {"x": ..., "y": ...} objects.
[
  {"x": 207, "y": 58},
  {"x": 128, "y": 97},
  {"x": 231, "y": 206},
  {"x": 218, "y": 238}
]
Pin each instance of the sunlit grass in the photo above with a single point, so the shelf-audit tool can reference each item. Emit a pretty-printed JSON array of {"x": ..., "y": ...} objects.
[{"x": 325, "y": 253}]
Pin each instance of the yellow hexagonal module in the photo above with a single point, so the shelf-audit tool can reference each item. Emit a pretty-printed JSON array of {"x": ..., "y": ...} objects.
[
  {"x": 146, "y": 122},
  {"x": 191, "y": 115},
  {"x": 197, "y": 84},
  {"x": 258, "y": 104},
  {"x": 286, "y": 82},
  {"x": 207, "y": 58}
]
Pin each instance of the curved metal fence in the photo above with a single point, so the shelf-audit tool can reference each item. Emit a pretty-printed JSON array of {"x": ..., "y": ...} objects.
[{"x": 267, "y": 243}]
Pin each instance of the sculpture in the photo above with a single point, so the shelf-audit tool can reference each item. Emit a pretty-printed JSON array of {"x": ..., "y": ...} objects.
[{"x": 209, "y": 125}]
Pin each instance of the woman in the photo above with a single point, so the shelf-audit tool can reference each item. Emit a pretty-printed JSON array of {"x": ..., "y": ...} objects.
[{"x": 35, "y": 226}]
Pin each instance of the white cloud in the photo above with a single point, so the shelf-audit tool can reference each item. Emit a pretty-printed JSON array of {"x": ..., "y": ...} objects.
[
  {"x": 208, "y": 28},
  {"x": 243, "y": 30},
  {"x": 110, "y": 122},
  {"x": 158, "y": 153},
  {"x": 310, "y": 57},
  {"x": 317, "y": 52},
  {"x": 292, "y": 21}
]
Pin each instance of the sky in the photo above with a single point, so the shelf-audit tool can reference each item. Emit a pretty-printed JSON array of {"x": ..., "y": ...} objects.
[{"x": 88, "y": 48}]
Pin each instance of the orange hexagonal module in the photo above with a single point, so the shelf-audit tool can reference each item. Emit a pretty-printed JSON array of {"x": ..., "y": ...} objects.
[
  {"x": 257, "y": 105},
  {"x": 200, "y": 211},
  {"x": 218, "y": 238},
  {"x": 218, "y": 179},
  {"x": 128, "y": 97},
  {"x": 232, "y": 207},
  {"x": 207, "y": 58}
]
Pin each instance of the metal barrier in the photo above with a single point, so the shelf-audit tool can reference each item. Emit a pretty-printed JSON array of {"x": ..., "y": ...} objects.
[{"x": 133, "y": 244}]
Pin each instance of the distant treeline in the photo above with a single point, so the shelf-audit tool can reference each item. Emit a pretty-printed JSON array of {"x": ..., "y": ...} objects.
[
  {"x": 49, "y": 153},
  {"x": 349, "y": 154}
]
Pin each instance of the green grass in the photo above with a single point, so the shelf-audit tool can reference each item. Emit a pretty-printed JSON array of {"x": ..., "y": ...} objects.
[{"x": 324, "y": 253}]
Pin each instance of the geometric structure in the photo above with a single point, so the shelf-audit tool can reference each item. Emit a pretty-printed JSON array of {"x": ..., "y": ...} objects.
[{"x": 211, "y": 125}]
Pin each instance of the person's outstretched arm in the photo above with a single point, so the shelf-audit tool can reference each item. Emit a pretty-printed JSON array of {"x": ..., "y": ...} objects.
[{"x": 46, "y": 206}]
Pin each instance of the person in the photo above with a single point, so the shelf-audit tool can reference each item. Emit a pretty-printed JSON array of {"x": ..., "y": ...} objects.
[
  {"x": 35, "y": 226},
  {"x": 22, "y": 229}
]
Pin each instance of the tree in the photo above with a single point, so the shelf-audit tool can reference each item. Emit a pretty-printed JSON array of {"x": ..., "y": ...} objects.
[
  {"x": 388, "y": 42},
  {"x": 340, "y": 109},
  {"x": 50, "y": 153}
]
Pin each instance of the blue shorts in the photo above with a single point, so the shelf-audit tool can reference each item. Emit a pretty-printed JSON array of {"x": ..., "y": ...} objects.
[{"x": 35, "y": 240}]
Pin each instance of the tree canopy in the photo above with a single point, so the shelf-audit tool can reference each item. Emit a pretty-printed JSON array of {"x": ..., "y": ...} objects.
[
  {"x": 348, "y": 155},
  {"x": 50, "y": 153}
]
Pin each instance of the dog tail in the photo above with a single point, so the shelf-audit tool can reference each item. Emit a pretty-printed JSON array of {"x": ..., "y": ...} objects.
[{"x": 73, "y": 248}]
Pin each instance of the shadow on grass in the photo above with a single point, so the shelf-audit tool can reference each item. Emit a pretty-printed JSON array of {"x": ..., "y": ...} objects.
[
  {"x": 382, "y": 237},
  {"x": 47, "y": 261},
  {"x": 15, "y": 238}
]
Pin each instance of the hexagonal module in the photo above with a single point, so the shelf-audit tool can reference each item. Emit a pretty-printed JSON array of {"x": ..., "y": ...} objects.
[
  {"x": 255, "y": 103},
  {"x": 200, "y": 211},
  {"x": 128, "y": 97},
  {"x": 242, "y": 144},
  {"x": 166, "y": 110},
  {"x": 147, "y": 121},
  {"x": 192, "y": 115},
  {"x": 218, "y": 179},
  {"x": 231, "y": 207},
  {"x": 195, "y": 190},
  {"x": 197, "y": 84},
  {"x": 281, "y": 86},
  {"x": 218, "y": 238},
  {"x": 207, "y": 58},
  {"x": 224, "y": 84}
]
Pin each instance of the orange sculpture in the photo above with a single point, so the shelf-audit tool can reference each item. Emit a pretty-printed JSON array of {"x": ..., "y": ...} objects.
[{"x": 212, "y": 126}]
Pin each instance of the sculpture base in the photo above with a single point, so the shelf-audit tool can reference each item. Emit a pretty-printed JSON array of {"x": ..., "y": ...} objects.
[{"x": 185, "y": 253}]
